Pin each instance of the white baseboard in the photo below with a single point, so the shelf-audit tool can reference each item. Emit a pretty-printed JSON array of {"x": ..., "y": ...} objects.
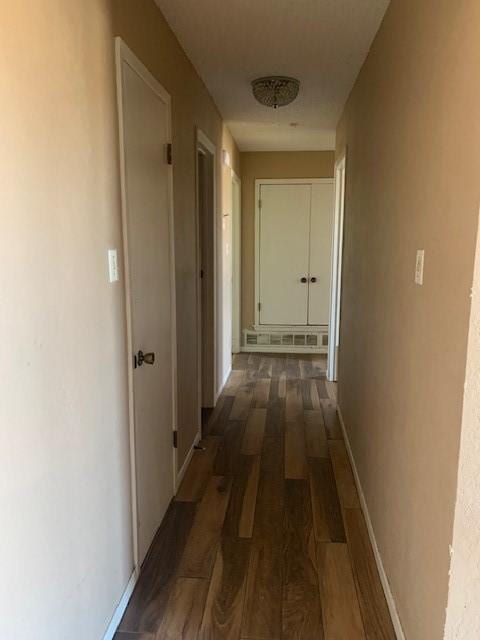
[
  {"x": 181, "y": 473},
  {"x": 120, "y": 610},
  {"x": 268, "y": 348},
  {"x": 397, "y": 625}
]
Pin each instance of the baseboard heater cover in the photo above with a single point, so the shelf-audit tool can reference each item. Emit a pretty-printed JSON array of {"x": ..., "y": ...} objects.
[{"x": 291, "y": 340}]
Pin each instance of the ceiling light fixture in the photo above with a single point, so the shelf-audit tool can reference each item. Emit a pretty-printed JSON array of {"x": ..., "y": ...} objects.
[{"x": 275, "y": 91}]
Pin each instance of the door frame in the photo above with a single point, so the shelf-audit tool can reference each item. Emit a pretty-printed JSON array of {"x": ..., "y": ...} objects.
[
  {"x": 258, "y": 184},
  {"x": 337, "y": 263},
  {"x": 204, "y": 144},
  {"x": 124, "y": 54},
  {"x": 236, "y": 264}
]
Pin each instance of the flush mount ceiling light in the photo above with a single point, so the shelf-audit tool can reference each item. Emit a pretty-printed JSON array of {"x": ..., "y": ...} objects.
[{"x": 275, "y": 91}]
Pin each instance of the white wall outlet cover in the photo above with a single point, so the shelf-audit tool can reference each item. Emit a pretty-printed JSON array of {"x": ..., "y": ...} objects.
[
  {"x": 419, "y": 266},
  {"x": 113, "y": 265}
]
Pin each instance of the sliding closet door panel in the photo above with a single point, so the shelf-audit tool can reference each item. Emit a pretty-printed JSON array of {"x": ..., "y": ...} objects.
[
  {"x": 320, "y": 254},
  {"x": 284, "y": 253}
]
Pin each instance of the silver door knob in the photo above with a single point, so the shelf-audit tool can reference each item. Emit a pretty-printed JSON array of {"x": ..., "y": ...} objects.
[{"x": 147, "y": 358}]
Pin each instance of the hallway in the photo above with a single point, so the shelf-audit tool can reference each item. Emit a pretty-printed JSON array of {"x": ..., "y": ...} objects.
[
  {"x": 184, "y": 181},
  {"x": 266, "y": 538}
]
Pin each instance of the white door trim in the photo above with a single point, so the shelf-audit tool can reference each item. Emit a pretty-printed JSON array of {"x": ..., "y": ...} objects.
[
  {"x": 237, "y": 265},
  {"x": 258, "y": 184},
  {"x": 337, "y": 257},
  {"x": 205, "y": 141},
  {"x": 124, "y": 54},
  {"x": 202, "y": 144}
]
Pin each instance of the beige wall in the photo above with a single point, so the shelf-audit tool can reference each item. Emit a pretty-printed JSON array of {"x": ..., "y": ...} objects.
[
  {"x": 413, "y": 164},
  {"x": 64, "y": 447},
  {"x": 463, "y": 611},
  {"x": 64, "y": 463},
  {"x": 145, "y": 31},
  {"x": 255, "y": 165}
]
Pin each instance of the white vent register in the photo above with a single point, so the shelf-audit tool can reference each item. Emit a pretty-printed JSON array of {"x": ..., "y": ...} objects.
[{"x": 286, "y": 341}]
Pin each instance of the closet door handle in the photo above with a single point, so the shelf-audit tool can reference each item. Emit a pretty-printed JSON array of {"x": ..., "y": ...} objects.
[
  {"x": 304, "y": 280},
  {"x": 313, "y": 279}
]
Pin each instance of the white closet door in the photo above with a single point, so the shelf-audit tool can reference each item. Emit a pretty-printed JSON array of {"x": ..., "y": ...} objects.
[
  {"x": 284, "y": 253},
  {"x": 320, "y": 254}
]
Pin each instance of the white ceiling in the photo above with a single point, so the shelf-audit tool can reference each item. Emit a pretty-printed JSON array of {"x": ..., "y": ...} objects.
[{"x": 323, "y": 43}]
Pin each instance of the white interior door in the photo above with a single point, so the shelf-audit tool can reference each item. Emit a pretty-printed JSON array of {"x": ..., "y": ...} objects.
[
  {"x": 146, "y": 123},
  {"x": 284, "y": 229},
  {"x": 320, "y": 253}
]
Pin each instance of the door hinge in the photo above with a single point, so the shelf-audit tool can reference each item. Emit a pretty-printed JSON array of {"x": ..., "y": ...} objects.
[
  {"x": 201, "y": 273},
  {"x": 259, "y": 204},
  {"x": 169, "y": 153},
  {"x": 175, "y": 439},
  {"x": 259, "y": 306}
]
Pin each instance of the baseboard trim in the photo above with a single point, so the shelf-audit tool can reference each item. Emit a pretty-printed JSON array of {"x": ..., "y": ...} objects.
[
  {"x": 267, "y": 348},
  {"x": 122, "y": 605},
  {"x": 397, "y": 625},
  {"x": 183, "y": 470}
]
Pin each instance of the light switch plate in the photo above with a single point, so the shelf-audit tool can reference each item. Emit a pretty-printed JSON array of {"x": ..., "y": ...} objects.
[
  {"x": 419, "y": 266},
  {"x": 112, "y": 265}
]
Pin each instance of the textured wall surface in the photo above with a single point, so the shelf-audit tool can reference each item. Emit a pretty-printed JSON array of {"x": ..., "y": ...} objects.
[
  {"x": 64, "y": 448},
  {"x": 412, "y": 182},
  {"x": 463, "y": 612}
]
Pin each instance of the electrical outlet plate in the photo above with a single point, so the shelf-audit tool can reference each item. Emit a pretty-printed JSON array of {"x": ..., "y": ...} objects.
[{"x": 419, "y": 266}]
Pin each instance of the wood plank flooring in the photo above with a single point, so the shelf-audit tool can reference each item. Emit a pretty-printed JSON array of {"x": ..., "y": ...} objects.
[{"x": 265, "y": 539}]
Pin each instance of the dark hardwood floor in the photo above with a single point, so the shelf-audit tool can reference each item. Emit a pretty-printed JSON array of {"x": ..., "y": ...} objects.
[{"x": 265, "y": 539}]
